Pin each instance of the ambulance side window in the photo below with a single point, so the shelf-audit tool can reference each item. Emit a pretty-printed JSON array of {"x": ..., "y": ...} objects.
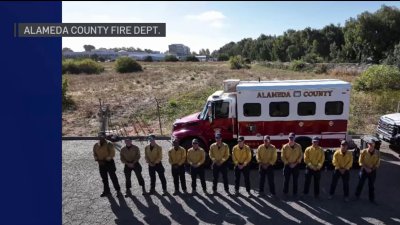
[
  {"x": 252, "y": 109},
  {"x": 334, "y": 108},
  {"x": 306, "y": 108},
  {"x": 222, "y": 110},
  {"x": 279, "y": 109}
]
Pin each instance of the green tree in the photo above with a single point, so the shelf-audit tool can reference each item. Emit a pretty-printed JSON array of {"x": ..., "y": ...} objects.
[{"x": 89, "y": 48}]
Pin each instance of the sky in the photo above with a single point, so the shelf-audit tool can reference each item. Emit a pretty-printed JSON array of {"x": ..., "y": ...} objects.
[{"x": 208, "y": 24}]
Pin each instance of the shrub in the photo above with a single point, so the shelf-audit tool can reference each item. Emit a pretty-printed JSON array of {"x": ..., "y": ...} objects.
[
  {"x": 170, "y": 58},
  {"x": 87, "y": 66},
  {"x": 127, "y": 65},
  {"x": 67, "y": 102},
  {"x": 237, "y": 62},
  {"x": 148, "y": 59},
  {"x": 321, "y": 68},
  {"x": 191, "y": 58},
  {"x": 312, "y": 58},
  {"x": 297, "y": 65},
  {"x": 223, "y": 57},
  {"x": 379, "y": 77}
]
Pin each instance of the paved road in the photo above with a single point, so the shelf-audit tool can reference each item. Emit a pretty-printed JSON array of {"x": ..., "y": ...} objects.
[{"x": 82, "y": 205}]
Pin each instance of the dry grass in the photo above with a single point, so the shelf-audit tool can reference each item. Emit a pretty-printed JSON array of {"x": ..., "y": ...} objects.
[{"x": 132, "y": 95}]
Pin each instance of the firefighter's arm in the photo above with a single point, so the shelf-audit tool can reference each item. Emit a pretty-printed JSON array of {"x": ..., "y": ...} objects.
[
  {"x": 321, "y": 159},
  {"x": 300, "y": 155},
  {"x": 258, "y": 154},
  {"x": 111, "y": 151},
  {"x": 211, "y": 154},
  {"x": 226, "y": 154},
  {"x": 274, "y": 157},
  {"x": 361, "y": 159},
  {"x": 349, "y": 162},
  {"x": 170, "y": 157},
  {"x": 146, "y": 156},
  {"x": 121, "y": 154},
  {"x": 159, "y": 156},
  {"x": 248, "y": 157},
  {"x": 94, "y": 153},
  {"x": 137, "y": 156},
  {"x": 307, "y": 158},
  {"x": 189, "y": 158},
  {"x": 183, "y": 157},
  {"x": 234, "y": 159},
  {"x": 283, "y": 156},
  {"x": 377, "y": 163},
  {"x": 202, "y": 158},
  {"x": 335, "y": 161}
]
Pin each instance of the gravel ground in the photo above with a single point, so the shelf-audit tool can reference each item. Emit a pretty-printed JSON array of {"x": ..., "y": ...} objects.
[{"x": 82, "y": 205}]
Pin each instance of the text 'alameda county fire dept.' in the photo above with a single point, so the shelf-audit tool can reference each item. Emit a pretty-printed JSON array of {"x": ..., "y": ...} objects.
[{"x": 91, "y": 30}]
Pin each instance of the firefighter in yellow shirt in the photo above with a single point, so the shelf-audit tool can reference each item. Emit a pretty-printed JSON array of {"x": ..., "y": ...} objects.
[
  {"x": 342, "y": 161},
  {"x": 103, "y": 153},
  {"x": 196, "y": 157},
  {"x": 241, "y": 157},
  {"x": 177, "y": 159},
  {"x": 153, "y": 156},
  {"x": 130, "y": 155},
  {"x": 314, "y": 158},
  {"x": 291, "y": 156},
  {"x": 219, "y": 154},
  {"x": 369, "y": 161},
  {"x": 266, "y": 157}
]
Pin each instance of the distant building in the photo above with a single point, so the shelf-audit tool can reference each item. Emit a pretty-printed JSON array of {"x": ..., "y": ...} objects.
[
  {"x": 202, "y": 58},
  {"x": 179, "y": 50},
  {"x": 106, "y": 54},
  {"x": 140, "y": 56}
]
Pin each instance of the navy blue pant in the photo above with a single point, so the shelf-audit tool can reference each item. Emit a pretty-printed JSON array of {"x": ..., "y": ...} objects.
[
  {"x": 159, "y": 168},
  {"x": 199, "y": 171},
  {"x": 108, "y": 168},
  {"x": 345, "y": 178},
  {"x": 269, "y": 172},
  {"x": 246, "y": 174},
  {"x": 178, "y": 173},
  {"x": 216, "y": 171},
  {"x": 138, "y": 172},
  {"x": 287, "y": 172},
  {"x": 309, "y": 173},
  {"x": 363, "y": 175}
]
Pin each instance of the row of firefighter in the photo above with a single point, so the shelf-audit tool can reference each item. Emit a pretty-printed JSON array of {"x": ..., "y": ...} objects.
[{"x": 241, "y": 156}]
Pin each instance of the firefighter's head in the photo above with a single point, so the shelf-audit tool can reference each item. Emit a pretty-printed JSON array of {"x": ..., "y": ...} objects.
[
  {"x": 218, "y": 138},
  {"x": 175, "y": 142},
  {"x": 241, "y": 141},
  {"x": 195, "y": 144},
  {"x": 371, "y": 144},
  {"x": 343, "y": 145},
  {"x": 267, "y": 139},
  {"x": 291, "y": 138},
  {"x": 102, "y": 136},
  {"x": 315, "y": 141},
  {"x": 152, "y": 139},
  {"x": 128, "y": 142}
]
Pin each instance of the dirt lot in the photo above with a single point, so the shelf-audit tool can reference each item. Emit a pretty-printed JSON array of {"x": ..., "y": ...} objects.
[
  {"x": 131, "y": 96},
  {"x": 82, "y": 205}
]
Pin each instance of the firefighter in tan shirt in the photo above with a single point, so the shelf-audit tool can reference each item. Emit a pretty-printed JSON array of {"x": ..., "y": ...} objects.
[
  {"x": 153, "y": 156},
  {"x": 103, "y": 153},
  {"x": 369, "y": 161},
  {"x": 266, "y": 157},
  {"x": 196, "y": 157},
  {"x": 241, "y": 157},
  {"x": 130, "y": 155},
  {"x": 291, "y": 156},
  {"x": 342, "y": 161},
  {"x": 314, "y": 158},
  {"x": 219, "y": 154},
  {"x": 177, "y": 159}
]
